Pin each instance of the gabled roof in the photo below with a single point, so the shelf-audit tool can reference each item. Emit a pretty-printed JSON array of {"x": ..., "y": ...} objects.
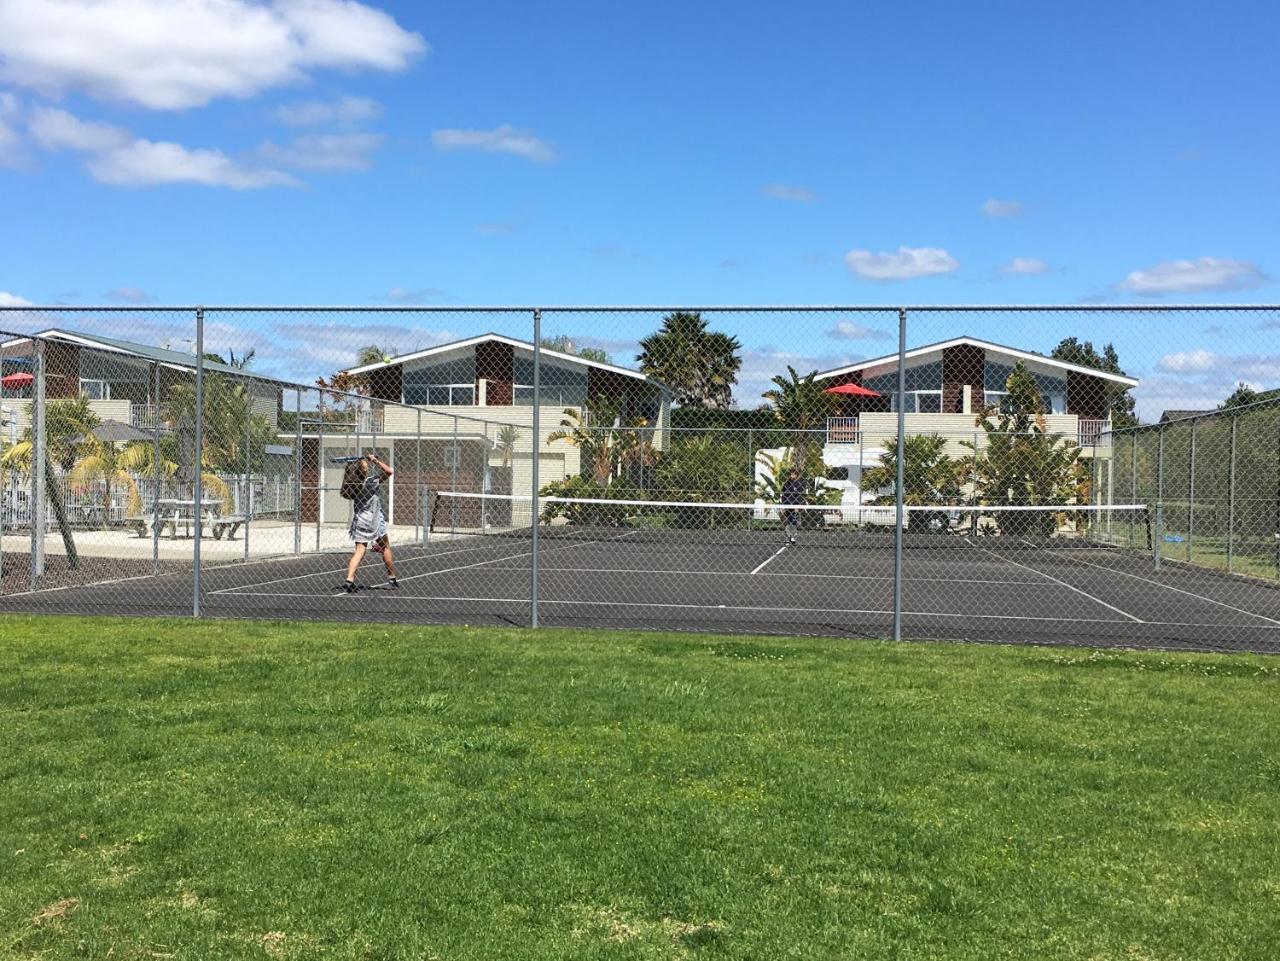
[
  {"x": 891, "y": 360},
  {"x": 173, "y": 359},
  {"x": 513, "y": 342}
]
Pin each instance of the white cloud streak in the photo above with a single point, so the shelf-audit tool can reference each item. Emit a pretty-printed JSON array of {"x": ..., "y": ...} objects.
[
  {"x": 1204, "y": 274},
  {"x": 334, "y": 151},
  {"x": 1002, "y": 209},
  {"x": 146, "y": 163},
  {"x": 56, "y": 129},
  {"x": 794, "y": 194},
  {"x": 13, "y": 300},
  {"x": 504, "y": 139},
  {"x": 907, "y": 263},
  {"x": 344, "y": 111},
  {"x": 848, "y": 330},
  {"x": 177, "y": 54},
  {"x": 1025, "y": 267}
]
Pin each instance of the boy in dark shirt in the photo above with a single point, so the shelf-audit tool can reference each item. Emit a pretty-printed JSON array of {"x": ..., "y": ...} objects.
[{"x": 792, "y": 494}]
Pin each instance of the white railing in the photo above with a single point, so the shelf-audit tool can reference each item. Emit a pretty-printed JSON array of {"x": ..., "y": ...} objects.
[
  {"x": 842, "y": 430},
  {"x": 1095, "y": 433}
]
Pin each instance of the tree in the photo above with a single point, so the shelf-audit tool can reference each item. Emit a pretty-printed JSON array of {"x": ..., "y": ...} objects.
[
  {"x": 1119, "y": 401},
  {"x": 1022, "y": 464},
  {"x": 607, "y": 444},
  {"x": 1242, "y": 396},
  {"x": 565, "y": 345},
  {"x": 373, "y": 354},
  {"x": 929, "y": 476},
  {"x": 706, "y": 467},
  {"x": 801, "y": 406},
  {"x": 700, "y": 365}
]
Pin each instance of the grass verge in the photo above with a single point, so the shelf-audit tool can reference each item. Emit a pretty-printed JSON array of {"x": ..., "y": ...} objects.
[{"x": 242, "y": 790}]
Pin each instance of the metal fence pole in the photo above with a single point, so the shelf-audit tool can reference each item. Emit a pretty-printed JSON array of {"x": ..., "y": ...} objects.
[
  {"x": 39, "y": 467},
  {"x": 198, "y": 488},
  {"x": 898, "y": 497},
  {"x": 1191, "y": 492},
  {"x": 248, "y": 488},
  {"x": 1231, "y": 499},
  {"x": 297, "y": 475},
  {"x": 1158, "y": 537},
  {"x": 417, "y": 480},
  {"x": 1160, "y": 491},
  {"x": 453, "y": 482},
  {"x": 320, "y": 491},
  {"x": 537, "y": 426},
  {"x": 155, "y": 470},
  {"x": 1133, "y": 475}
]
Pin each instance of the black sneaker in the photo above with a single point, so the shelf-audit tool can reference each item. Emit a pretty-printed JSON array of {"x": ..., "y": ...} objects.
[
  {"x": 393, "y": 583},
  {"x": 349, "y": 587}
]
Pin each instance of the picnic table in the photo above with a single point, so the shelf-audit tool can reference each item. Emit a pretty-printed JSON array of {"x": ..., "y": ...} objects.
[{"x": 175, "y": 512}]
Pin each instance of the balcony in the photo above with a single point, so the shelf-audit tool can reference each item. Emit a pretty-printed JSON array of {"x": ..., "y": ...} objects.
[{"x": 843, "y": 430}]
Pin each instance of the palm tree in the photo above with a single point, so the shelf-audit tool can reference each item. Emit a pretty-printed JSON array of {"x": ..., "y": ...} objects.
[
  {"x": 700, "y": 365},
  {"x": 606, "y": 449},
  {"x": 802, "y": 406},
  {"x": 508, "y": 437},
  {"x": 929, "y": 476}
]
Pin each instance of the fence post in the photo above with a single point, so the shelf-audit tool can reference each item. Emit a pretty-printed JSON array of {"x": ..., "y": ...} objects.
[
  {"x": 1231, "y": 499},
  {"x": 1158, "y": 537},
  {"x": 155, "y": 469},
  {"x": 1191, "y": 492},
  {"x": 417, "y": 481},
  {"x": 320, "y": 491},
  {"x": 1159, "y": 491},
  {"x": 248, "y": 488},
  {"x": 537, "y": 426},
  {"x": 39, "y": 468},
  {"x": 297, "y": 475},
  {"x": 453, "y": 483},
  {"x": 198, "y": 487},
  {"x": 1133, "y": 474},
  {"x": 898, "y": 497}
]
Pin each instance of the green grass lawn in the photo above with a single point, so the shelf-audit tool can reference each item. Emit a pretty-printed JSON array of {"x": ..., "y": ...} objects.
[{"x": 240, "y": 790}]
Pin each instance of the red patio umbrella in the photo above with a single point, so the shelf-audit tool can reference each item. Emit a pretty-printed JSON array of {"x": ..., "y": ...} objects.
[
  {"x": 852, "y": 390},
  {"x": 17, "y": 380}
]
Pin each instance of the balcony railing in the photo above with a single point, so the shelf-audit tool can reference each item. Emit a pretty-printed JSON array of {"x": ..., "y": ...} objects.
[
  {"x": 1095, "y": 433},
  {"x": 842, "y": 430}
]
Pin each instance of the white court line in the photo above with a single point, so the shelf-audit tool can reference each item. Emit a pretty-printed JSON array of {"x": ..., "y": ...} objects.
[
  {"x": 767, "y": 561},
  {"x": 294, "y": 577},
  {"x": 496, "y": 560},
  {"x": 1070, "y": 587},
  {"x": 1170, "y": 587},
  {"x": 777, "y": 610},
  {"x": 836, "y": 577}
]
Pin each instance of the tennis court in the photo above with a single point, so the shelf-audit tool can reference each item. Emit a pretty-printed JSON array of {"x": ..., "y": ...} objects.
[{"x": 616, "y": 566}]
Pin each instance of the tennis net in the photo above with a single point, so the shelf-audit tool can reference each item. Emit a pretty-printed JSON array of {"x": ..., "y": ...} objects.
[{"x": 459, "y": 514}]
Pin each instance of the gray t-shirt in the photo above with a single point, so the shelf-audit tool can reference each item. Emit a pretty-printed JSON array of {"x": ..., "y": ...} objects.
[{"x": 367, "y": 521}]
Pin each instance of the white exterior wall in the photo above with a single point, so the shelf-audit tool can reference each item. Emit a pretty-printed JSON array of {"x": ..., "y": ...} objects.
[{"x": 877, "y": 429}]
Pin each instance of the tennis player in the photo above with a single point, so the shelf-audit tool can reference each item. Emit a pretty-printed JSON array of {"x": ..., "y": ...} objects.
[
  {"x": 792, "y": 494},
  {"x": 368, "y": 531}
]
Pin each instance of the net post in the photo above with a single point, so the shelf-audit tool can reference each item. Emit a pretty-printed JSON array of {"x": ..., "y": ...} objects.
[
  {"x": 39, "y": 467},
  {"x": 319, "y": 467},
  {"x": 417, "y": 478},
  {"x": 453, "y": 459},
  {"x": 534, "y": 532},
  {"x": 1231, "y": 499},
  {"x": 297, "y": 474},
  {"x": 898, "y": 497},
  {"x": 1133, "y": 469},
  {"x": 1158, "y": 535},
  {"x": 155, "y": 468},
  {"x": 198, "y": 487}
]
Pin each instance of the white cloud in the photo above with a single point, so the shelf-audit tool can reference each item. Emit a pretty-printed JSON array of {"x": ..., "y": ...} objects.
[
  {"x": 1025, "y": 266},
  {"x": 143, "y": 163},
  {"x": 414, "y": 295},
  {"x": 175, "y": 54},
  {"x": 802, "y": 195},
  {"x": 334, "y": 151},
  {"x": 13, "y": 300},
  {"x": 504, "y": 139},
  {"x": 344, "y": 110},
  {"x": 1194, "y": 276},
  {"x": 761, "y": 364},
  {"x": 58, "y": 130},
  {"x": 848, "y": 330},
  {"x": 10, "y": 141},
  {"x": 1002, "y": 209},
  {"x": 1189, "y": 360},
  {"x": 907, "y": 264},
  {"x": 129, "y": 295}
]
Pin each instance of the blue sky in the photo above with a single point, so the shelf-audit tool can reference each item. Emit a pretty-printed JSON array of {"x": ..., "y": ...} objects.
[{"x": 314, "y": 151}]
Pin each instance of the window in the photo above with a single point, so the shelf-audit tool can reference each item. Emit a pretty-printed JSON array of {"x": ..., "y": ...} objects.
[
  {"x": 95, "y": 389},
  {"x": 446, "y": 383},
  {"x": 560, "y": 386}
]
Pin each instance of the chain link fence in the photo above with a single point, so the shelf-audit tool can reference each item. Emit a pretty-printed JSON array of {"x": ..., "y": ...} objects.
[{"x": 718, "y": 468}]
